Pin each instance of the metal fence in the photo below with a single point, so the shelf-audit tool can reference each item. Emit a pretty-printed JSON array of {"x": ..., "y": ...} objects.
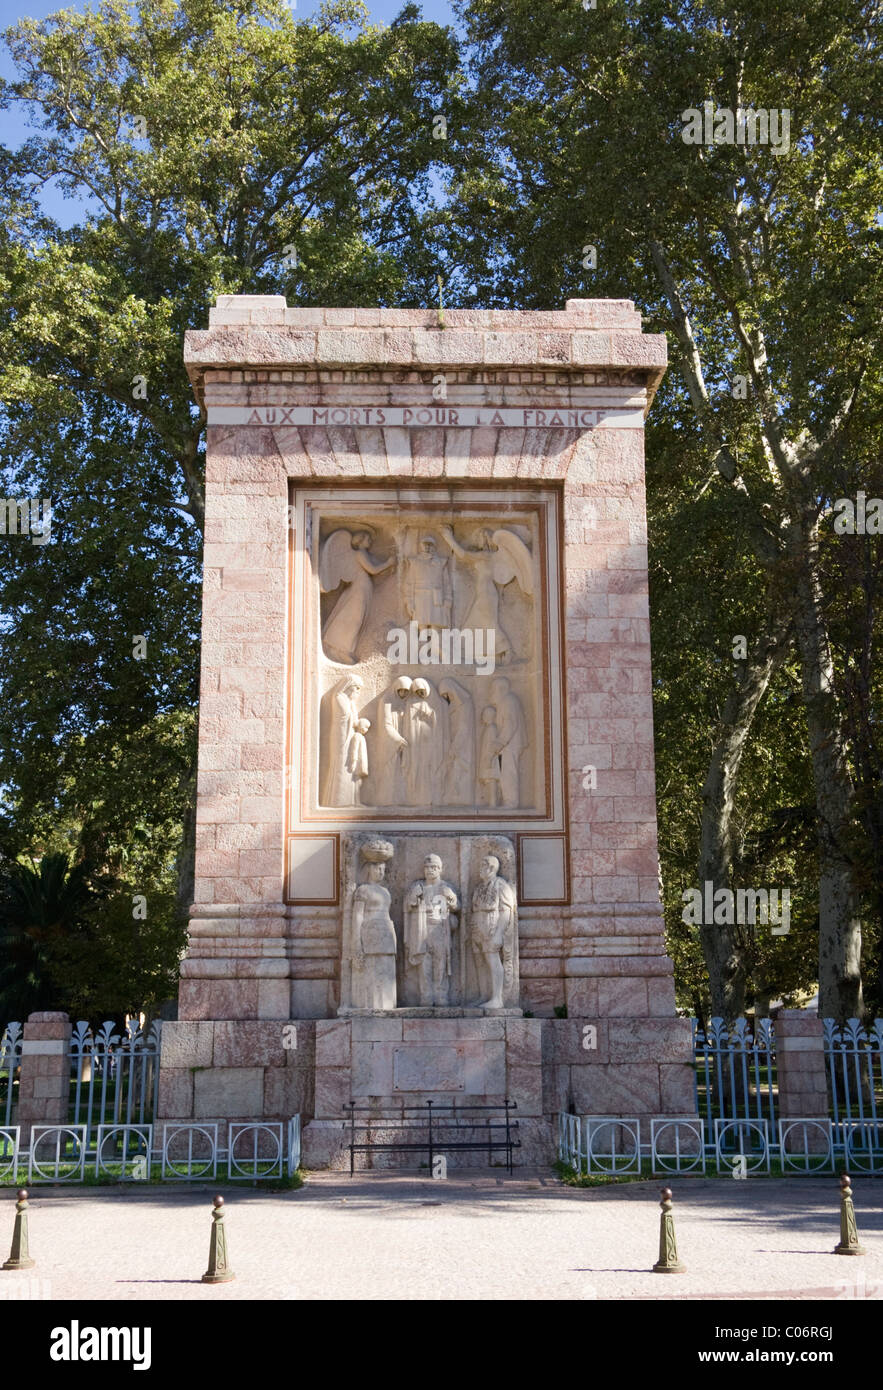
[
  {"x": 10, "y": 1060},
  {"x": 110, "y": 1131},
  {"x": 114, "y": 1075},
  {"x": 854, "y": 1058},
  {"x": 185, "y": 1152},
  {"x": 735, "y": 1071},
  {"x": 599, "y": 1145},
  {"x": 737, "y": 1127}
]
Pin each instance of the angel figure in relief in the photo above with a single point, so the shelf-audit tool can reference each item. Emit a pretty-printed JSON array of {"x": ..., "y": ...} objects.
[
  {"x": 345, "y": 559},
  {"x": 501, "y": 557}
]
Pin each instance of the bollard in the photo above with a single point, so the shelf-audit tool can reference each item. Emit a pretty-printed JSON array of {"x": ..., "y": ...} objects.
[
  {"x": 218, "y": 1272},
  {"x": 849, "y": 1242},
  {"x": 668, "y": 1262},
  {"x": 19, "y": 1258}
]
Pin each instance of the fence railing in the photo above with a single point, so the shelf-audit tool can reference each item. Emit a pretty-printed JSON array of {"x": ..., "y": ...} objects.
[
  {"x": 854, "y": 1063},
  {"x": 185, "y": 1152},
  {"x": 735, "y": 1071},
  {"x": 10, "y": 1060},
  {"x": 599, "y": 1144},
  {"x": 114, "y": 1075},
  {"x": 737, "y": 1126}
]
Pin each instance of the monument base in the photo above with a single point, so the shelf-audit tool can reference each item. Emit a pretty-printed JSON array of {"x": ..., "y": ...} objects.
[{"x": 391, "y": 1064}]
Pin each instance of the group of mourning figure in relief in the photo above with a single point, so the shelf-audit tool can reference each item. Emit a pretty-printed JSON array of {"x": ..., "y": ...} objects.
[
  {"x": 431, "y": 911},
  {"x": 425, "y": 749}
]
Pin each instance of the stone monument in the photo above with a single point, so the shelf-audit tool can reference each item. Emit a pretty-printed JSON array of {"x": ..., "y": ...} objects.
[{"x": 426, "y": 828}]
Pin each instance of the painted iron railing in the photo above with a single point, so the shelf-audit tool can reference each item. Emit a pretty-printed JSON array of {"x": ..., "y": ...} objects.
[
  {"x": 175, "y": 1152},
  {"x": 735, "y": 1072},
  {"x": 10, "y": 1060},
  {"x": 854, "y": 1058},
  {"x": 114, "y": 1076}
]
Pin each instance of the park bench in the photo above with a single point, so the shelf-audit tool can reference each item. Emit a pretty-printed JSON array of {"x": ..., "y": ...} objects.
[{"x": 449, "y": 1129}]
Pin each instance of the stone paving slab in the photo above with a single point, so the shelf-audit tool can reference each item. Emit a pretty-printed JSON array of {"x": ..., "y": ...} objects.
[{"x": 468, "y": 1237}]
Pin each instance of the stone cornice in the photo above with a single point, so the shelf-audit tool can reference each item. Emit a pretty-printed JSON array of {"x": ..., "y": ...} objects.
[{"x": 261, "y": 332}]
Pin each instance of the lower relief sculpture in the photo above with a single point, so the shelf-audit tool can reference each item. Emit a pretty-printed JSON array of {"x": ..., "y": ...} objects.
[
  {"x": 370, "y": 951},
  {"x": 457, "y": 945}
]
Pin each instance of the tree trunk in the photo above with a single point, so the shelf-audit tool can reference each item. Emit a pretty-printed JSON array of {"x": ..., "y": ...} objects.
[
  {"x": 724, "y": 952},
  {"x": 840, "y": 937}
]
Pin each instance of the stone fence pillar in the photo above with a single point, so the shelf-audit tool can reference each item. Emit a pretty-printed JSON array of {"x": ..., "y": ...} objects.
[
  {"x": 800, "y": 1058},
  {"x": 44, "y": 1082}
]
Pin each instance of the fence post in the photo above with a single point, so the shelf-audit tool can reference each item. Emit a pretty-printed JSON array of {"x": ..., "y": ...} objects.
[
  {"x": 44, "y": 1084},
  {"x": 800, "y": 1061}
]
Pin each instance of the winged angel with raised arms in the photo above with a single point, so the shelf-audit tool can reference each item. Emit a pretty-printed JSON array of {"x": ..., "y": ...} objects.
[
  {"x": 345, "y": 559},
  {"x": 501, "y": 557}
]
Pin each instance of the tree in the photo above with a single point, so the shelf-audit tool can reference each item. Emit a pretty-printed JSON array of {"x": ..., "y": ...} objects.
[
  {"x": 39, "y": 907},
  {"x": 759, "y": 262},
  {"x": 214, "y": 149}
]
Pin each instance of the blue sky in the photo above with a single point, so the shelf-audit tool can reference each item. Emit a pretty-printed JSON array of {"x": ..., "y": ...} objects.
[{"x": 14, "y": 127}]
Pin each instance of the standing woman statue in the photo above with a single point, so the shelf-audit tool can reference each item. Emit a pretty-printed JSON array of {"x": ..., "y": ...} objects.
[{"x": 372, "y": 943}]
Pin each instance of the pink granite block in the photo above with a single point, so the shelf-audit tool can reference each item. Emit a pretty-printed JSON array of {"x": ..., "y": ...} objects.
[
  {"x": 622, "y": 998},
  {"x": 428, "y": 450},
  {"x": 509, "y": 445},
  {"x": 637, "y": 861},
  {"x": 175, "y": 1100},
  {"x": 638, "y": 350},
  {"x": 511, "y": 347},
  {"x": 552, "y": 348},
  {"x": 347, "y": 458},
  {"x": 677, "y": 1090},
  {"x": 47, "y": 1025},
  {"x": 523, "y": 1042},
  {"x": 260, "y": 1044},
  {"x": 524, "y": 1085},
  {"x": 333, "y": 1091},
  {"x": 333, "y": 1042},
  {"x": 661, "y": 997},
  {"x": 634, "y": 808},
  {"x": 254, "y": 756},
  {"x": 454, "y": 346},
  {"x": 255, "y": 863},
  {"x": 288, "y": 1092},
  {"x": 305, "y": 318},
  {"x": 590, "y": 348},
  {"x": 398, "y": 451}
]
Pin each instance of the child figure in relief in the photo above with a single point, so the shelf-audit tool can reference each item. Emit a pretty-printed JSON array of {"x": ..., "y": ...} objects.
[
  {"x": 358, "y": 758},
  {"x": 488, "y": 759}
]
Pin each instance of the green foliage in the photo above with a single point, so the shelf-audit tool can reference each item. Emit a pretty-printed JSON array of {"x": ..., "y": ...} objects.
[
  {"x": 231, "y": 148},
  {"x": 574, "y": 139},
  {"x": 203, "y": 142},
  {"x": 69, "y": 941}
]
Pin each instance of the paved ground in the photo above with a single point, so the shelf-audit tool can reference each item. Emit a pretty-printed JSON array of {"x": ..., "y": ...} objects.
[{"x": 481, "y": 1237}]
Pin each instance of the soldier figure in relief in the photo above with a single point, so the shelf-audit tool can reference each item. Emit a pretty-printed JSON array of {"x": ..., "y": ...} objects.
[
  {"x": 427, "y": 587},
  {"x": 493, "y": 931},
  {"x": 431, "y": 906}
]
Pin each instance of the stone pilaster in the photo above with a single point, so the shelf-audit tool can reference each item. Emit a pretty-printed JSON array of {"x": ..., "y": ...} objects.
[
  {"x": 800, "y": 1065},
  {"x": 44, "y": 1084}
]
